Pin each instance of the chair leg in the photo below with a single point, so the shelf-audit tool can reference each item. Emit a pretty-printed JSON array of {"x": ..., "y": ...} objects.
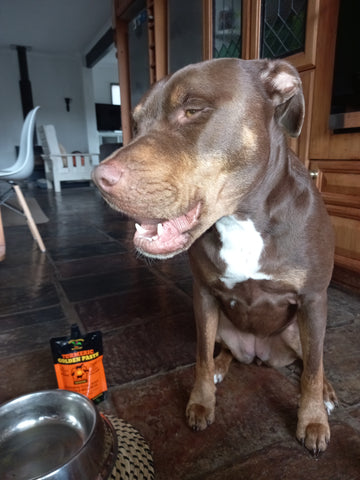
[
  {"x": 57, "y": 186},
  {"x": 2, "y": 240},
  {"x": 32, "y": 225}
]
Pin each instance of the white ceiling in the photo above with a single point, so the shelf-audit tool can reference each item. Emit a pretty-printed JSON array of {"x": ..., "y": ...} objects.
[{"x": 54, "y": 26}]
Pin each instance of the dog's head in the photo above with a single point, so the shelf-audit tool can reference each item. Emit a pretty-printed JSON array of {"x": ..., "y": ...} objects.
[{"x": 203, "y": 138}]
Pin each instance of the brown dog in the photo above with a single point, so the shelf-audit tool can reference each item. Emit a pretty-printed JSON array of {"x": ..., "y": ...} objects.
[{"x": 209, "y": 170}]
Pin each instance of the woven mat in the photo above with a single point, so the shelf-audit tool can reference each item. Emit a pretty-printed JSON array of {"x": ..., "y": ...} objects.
[{"x": 134, "y": 458}]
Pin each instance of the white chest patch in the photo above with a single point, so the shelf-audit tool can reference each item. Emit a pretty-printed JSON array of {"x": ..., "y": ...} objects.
[{"x": 241, "y": 250}]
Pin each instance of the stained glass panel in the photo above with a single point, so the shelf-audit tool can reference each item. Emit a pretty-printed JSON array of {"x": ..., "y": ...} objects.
[
  {"x": 226, "y": 28},
  {"x": 283, "y": 27}
]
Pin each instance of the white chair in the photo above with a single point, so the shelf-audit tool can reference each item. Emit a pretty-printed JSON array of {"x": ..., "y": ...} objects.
[
  {"x": 20, "y": 170},
  {"x": 61, "y": 166}
]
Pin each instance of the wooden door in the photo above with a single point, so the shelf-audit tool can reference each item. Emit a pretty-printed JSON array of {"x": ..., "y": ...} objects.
[{"x": 278, "y": 16}]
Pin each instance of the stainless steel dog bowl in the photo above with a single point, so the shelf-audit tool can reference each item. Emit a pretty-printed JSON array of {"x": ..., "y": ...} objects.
[{"x": 57, "y": 435}]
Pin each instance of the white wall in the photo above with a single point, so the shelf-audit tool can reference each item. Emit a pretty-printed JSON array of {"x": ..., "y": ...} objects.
[
  {"x": 104, "y": 74},
  {"x": 53, "y": 77}
]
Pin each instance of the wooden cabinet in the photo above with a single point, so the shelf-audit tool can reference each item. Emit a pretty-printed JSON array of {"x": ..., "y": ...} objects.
[
  {"x": 334, "y": 156},
  {"x": 339, "y": 183}
]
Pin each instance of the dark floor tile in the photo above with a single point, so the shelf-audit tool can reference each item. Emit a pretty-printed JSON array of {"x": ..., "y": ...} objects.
[
  {"x": 256, "y": 407},
  {"x": 123, "y": 230},
  {"x": 340, "y": 462},
  {"x": 342, "y": 361},
  {"x": 15, "y": 275},
  {"x": 343, "y": 307},
  {"x": 21, "y": 248},
  {"x": 98, "y": 265},
  {"x": 350, "y": 415},
  {"x": 131, "y": 307},
  {"x": 176, "y": 269},
  {"x": 25, "y": 373},
  {"x": 82, "y": 288},
  {"x": 83, "y": 251},
  {"x": 64, "y": 229},
  {"x": 87, "y": 236},
  {"x": 31, "y": 337},
  {"x": 145, "y": 349},
  {"x": 35, "y": 317},
  {"x": 75, "y": 202},
  {"x": 30, "y": 297}
]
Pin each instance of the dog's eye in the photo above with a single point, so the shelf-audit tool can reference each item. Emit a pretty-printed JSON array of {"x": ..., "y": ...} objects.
[{"x": 190, "y": 112}]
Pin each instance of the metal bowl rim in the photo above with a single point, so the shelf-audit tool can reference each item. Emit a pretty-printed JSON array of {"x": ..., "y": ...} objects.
[{"x": 76, "y": 453}]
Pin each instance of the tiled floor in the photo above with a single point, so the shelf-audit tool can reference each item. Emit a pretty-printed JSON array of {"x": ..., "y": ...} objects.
[{"x": 91, "y": 275}]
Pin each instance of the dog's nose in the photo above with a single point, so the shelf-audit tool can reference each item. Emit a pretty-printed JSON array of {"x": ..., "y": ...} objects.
[{"x": 106, "y": 175}]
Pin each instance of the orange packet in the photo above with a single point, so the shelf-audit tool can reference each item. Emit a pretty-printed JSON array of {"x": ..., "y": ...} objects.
[{"x": 78, "y": 363}]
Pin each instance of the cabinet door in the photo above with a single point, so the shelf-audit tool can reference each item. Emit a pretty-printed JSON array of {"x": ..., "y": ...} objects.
[
  {"x": 334, "y": 148},
  {"x": 339, "y": 184}
]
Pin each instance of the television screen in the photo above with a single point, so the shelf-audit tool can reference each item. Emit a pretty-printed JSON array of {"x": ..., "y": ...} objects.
[{"x": 108, "y": 117}]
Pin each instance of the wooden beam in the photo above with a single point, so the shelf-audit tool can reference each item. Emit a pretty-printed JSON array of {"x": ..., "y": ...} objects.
[{"x": 100, "y": 48}]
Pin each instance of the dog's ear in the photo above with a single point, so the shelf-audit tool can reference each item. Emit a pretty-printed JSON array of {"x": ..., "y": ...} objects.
[{"x": 283, "y": 87}]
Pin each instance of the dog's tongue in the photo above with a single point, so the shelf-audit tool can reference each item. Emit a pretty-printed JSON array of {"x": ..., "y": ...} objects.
[{"x": 168, "y": 237}]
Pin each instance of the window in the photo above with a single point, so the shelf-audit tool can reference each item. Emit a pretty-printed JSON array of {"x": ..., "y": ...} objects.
[
  {"x": 227, "y": 28},
  {"x": 115, "y": 94},
  {"x": 283, "y": 26}
]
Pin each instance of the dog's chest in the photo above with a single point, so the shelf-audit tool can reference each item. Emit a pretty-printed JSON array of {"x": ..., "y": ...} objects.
[{"x": 241, "y": 249}]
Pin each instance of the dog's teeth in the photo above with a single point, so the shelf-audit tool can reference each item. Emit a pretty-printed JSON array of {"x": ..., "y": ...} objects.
[
  {"x": 160, "y": 229},
  {"x": 140, "y": 229}
]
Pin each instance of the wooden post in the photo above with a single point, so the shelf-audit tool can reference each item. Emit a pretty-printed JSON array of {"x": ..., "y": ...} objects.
[
  {"x": 207, "y": 30},
  {"x": 161, "y": 38},
  {"x": 122, "y": 46}
]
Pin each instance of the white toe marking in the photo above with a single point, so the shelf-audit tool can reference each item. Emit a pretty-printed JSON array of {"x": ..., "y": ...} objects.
[{"x": 329, "y": 406}]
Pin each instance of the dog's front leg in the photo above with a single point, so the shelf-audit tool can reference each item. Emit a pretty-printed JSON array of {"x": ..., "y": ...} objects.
[
  {"x": 200, "y": 411},
  {"x": 313, "y": 427}
]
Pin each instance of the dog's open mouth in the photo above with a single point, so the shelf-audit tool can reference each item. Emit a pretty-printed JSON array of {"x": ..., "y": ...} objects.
[{"x": 165, "y": 239}]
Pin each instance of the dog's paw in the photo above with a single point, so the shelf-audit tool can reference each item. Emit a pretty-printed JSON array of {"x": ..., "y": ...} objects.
[
  {"x": 314, "y": 436},
  {"x": 222, "y": 364},
  {"x": 199, "y": 417}
]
